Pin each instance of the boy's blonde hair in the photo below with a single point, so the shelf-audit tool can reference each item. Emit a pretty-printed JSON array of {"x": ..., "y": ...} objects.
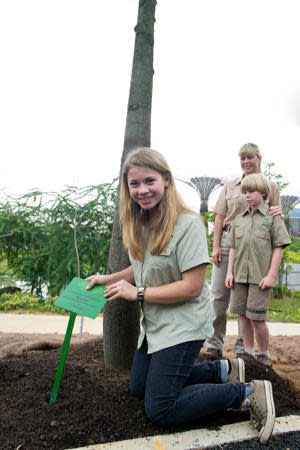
[
  {"x": 256, "y": 182},
  {"x": 135, "y": 221},
  {"x": 251, "y": 150}
]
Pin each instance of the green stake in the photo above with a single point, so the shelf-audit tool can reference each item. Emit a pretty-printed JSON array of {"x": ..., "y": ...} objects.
[{"x": 62, "y": 358}]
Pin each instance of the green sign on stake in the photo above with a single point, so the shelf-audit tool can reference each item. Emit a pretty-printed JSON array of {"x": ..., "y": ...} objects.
[{"x": 78, "y": 300}]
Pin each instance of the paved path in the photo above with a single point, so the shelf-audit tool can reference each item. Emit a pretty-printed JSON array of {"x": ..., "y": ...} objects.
[{"x": 41, "y": 323}]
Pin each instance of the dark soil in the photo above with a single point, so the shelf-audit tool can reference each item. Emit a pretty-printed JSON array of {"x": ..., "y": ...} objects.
[{"x": 93, "y": 404}]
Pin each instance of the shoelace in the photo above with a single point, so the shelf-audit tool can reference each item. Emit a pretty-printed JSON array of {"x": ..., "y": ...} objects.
[{"x": 256, "y": 414}]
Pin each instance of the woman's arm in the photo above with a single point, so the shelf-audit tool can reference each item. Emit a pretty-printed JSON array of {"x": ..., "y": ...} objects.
[
  {"x": 217, "y": 252},
  {"x": 126, "y": 275},
  {"x": 274, "y": 201},
  {"x": 190, "y": 286}
]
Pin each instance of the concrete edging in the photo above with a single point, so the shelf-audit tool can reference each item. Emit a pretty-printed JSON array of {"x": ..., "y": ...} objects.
[{"x": 202, "y": 438}]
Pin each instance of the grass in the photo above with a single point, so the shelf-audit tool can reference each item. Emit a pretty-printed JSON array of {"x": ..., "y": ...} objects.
[{"x": 285, "y": 309}]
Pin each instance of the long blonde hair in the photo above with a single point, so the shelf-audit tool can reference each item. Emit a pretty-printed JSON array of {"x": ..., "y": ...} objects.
[{"x": 135, "y": 221}]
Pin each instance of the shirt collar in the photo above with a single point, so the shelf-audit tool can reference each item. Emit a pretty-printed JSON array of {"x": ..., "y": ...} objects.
[
  {"x": 262, "y": 208},
  {"x": 238, "y": 180}
]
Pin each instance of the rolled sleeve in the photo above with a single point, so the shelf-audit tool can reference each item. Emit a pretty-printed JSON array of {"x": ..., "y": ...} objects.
[
  {"x": 192, "y": 248},
  {"x": 221, "y": 205},
  {"x": 280, "y": 236},
  {"x": 230, "y": 239}
]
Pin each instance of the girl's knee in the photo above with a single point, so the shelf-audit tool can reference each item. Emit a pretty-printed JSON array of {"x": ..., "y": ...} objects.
[
  {"x": 157, "y": 413},
  {"x": 136, "y": 390}
]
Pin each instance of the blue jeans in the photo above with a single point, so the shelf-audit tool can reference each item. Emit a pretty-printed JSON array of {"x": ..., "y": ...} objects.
[{"x": 175, "y": 390}]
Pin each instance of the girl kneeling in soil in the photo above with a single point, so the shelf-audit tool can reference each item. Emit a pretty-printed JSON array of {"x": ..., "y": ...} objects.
[{"x": 168, "y": 253}]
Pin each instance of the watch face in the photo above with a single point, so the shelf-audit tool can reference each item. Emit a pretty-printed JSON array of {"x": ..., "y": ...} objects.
[{"x": 140, "y": 294}]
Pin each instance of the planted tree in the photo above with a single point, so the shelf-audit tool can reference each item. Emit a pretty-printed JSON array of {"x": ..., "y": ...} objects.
[{"x": 121, "y": 322}]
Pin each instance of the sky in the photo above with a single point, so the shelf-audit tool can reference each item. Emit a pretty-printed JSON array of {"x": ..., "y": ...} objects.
[{"x": 227, "y": 72}]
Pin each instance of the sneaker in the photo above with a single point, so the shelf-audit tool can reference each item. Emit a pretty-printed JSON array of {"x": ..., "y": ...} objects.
[
  {"x": 237, "y": 373},
  {"x": 264, "y": 359},
  {"x": 262, "y": 409},
  {"x": 213, "y": 353}
]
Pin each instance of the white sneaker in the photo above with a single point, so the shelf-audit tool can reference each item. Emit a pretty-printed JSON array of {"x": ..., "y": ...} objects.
[{"x": 262, "y": 409}]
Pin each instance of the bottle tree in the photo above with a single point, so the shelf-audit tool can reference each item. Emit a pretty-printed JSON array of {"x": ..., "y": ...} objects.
[{"x": 121, "y": 319}]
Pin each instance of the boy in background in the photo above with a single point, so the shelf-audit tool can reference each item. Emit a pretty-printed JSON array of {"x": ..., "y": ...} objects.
[{"x": 256, "y": 241}]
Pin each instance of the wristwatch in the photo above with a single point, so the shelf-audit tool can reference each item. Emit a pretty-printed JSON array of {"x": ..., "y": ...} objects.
[{"x": 140, "y": 294}]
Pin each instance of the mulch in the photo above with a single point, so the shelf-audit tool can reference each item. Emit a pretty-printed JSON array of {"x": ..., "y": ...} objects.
[{"x": 93, "y": 404}]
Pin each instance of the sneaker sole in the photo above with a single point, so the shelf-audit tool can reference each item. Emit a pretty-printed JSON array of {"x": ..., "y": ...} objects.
[
  {"x": 267, "y": 430},
  {"x": 241, "y": 366},
  {"x": 241, "y": 372}
]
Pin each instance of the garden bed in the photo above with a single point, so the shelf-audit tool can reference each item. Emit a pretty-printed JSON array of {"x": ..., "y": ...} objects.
[{"x": 94, "y": 404}]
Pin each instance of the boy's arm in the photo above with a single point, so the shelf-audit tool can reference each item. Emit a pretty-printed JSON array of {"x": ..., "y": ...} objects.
[
  {"x": 269, "y": 280},
  {"x": 229, "y": 276}
]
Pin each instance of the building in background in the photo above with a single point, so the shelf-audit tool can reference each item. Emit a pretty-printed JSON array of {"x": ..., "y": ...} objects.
[{"x": 294, "y": 222}]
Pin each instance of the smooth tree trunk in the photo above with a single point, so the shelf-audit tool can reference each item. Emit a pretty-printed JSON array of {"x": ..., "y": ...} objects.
[{"x": 121, "y": 319}]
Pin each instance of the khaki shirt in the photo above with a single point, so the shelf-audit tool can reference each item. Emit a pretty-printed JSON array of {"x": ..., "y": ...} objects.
[
  {"x": 166, "y": 325},
  {"x": 254, "y": 236},
  {"x": 231, "y": 200}
]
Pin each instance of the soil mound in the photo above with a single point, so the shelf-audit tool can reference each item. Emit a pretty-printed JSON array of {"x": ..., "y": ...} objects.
[{"x": 93, "y": 404}]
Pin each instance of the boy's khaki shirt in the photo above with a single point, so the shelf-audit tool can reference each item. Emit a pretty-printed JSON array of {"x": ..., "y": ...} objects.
[
  {"x": 231, "y": 200},
  {"x": 254, "y": 237}
]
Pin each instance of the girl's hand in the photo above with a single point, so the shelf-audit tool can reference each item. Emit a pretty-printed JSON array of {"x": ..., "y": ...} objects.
[
  {"x": 97, "y": 279},
  {"x": 276, "y": 211},
  {"x": 121, "y": 289},
  {"x": 229, "y": 281}
]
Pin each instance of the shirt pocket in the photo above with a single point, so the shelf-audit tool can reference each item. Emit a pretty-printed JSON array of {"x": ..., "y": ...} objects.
[
  {"x": 162, "y": 260},
  {"x": 238, "y": 233},
  {"x": 263, "y": 234},
  {"x": 162, "y": 269},
  {"x": 235, "y": 201}
]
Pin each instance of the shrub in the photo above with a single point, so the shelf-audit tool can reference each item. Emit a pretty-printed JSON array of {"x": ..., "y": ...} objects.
[{"x": 28, "y": 302}]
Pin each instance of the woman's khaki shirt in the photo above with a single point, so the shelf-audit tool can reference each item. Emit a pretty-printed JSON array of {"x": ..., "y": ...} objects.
[
  {"x": 231, "y": 200},
  {"x": 166, "y": 325}
]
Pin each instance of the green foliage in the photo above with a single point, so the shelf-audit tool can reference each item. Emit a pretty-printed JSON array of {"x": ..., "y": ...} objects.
[
  {"x": 293, "y": 251},
  {"x": 286, "y": 309},
  {"x": 268, "y": 171},
  {"x": 40, "y": 234},
  {"x": 20, "y": 301}
]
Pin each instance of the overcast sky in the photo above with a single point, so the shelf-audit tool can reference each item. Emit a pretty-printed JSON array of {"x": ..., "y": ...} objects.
[{"x": 226, "y": 72}]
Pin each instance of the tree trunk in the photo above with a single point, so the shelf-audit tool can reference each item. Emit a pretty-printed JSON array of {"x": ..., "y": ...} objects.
[{"x": 121, "y": 319}]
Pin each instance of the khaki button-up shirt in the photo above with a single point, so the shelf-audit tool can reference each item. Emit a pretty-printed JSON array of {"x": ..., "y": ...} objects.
[
  {"x": 170, "y": 324},
  {"x": 231, "y": 200},
  {"x": 254, "y": 236}
]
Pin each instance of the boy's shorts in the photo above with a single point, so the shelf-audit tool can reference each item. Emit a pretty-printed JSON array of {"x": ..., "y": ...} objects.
[{"x": 249, "y": 300}]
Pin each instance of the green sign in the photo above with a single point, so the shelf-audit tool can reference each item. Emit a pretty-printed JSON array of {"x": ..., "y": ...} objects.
[{"x": 77, "y": 299}]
